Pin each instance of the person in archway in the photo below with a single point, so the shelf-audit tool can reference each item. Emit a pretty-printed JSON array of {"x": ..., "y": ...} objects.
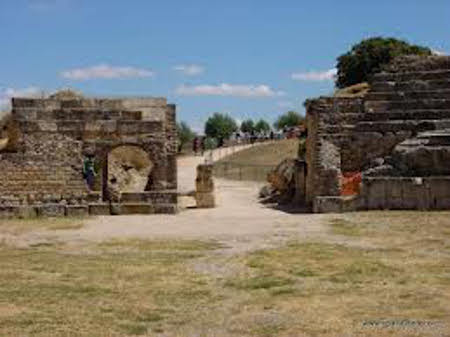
[{"x": 89, "y": 172}]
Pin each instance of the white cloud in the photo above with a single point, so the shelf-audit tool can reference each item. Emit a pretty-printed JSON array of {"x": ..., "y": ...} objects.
[
  {"x": 7, "y": 93},
  {"x": 105, "y": 71},
  {"x": 438, "y": 52},
  {"x": 225, "y": 89},
  {"x": 315, "y": 75},
  {"x": 189, "y": 69}
]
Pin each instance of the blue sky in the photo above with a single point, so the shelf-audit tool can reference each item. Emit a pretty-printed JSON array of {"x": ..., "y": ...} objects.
[{"x": 247, "y": 58}]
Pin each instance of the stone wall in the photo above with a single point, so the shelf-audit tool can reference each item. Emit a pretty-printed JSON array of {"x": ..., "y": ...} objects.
[
  {"x": 53, "y": 136},
  {"x": 411, "y": 97},
  {"x": 330, "y": 122},
  {"x": 422, "y": 193}
]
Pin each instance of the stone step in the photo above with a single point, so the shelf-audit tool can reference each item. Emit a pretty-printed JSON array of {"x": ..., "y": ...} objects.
[
  {"x": 383, "y": 106},
  {"x": 407, "y": 95},
  {"x": 152, "y": 197},
  {"x": 403, "y": 125},
  {"x": 406, "y": 115},
  {"x": 413, "y": 75},
  {"x": 142, "y": 208},
  {"x": 392, "y": 86},
  {"x": 126, "y": 208}
]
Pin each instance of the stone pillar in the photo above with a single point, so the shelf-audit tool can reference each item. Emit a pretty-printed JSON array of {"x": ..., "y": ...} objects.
[{"x": 204, "y": 183}]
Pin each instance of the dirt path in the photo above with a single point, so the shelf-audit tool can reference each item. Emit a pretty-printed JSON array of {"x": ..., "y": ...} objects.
[{"x": 239, "y": 221}]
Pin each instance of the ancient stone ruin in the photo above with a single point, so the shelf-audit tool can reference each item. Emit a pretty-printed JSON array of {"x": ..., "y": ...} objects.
[
  {"x": 204, "y": 187},
  {"x": 393, "y": 143},
  {"x": 130, "y": 142}
]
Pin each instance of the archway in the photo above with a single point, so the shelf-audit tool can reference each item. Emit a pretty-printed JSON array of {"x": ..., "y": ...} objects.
[{"x": 129, "y": 167}]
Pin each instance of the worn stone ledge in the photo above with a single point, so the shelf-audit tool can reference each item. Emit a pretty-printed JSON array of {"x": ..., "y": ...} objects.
[
  {"x": 413, "y": 75},
  {"x": 415, "y": 193},
  {"x": 153, "y": 197},
  {"x": 407, "y": 105},
  {"x": 408, "y": 95},
  {"x": 411, "y": 85},
  {"x": 338, "y": 204}
]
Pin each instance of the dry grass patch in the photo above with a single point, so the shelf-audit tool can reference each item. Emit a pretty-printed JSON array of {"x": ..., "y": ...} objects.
[
  {"x": 399, "y": 285},
  {"x": 256, "y": 162},
  {"x": 20, "y": 226},
  {"x": 330, "y": 290},
  {"x": 265, "y": 154},
  {"x": 120, "y": 288}
]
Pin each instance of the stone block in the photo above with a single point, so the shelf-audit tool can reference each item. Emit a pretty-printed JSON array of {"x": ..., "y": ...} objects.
[
  {"x": 101, "y": 126},
  {"x": 150, "y": 127},
  {"x": 131, "y": 115},
  {"x": 128, "y": 127},
  {"x": 415, "y": 194},
  {"x": 375, "y": 192},
  {"x": 77, "y": 211},
  {"x": 327, "y": 205},
  {"x": 439, "y": 194},
  {"x": 73, "y": 126},
  {"x": 93, "y": 197},
  {"x": 165, "y": 209},
  {"x": 394, "y": 194},
  {"x": 204, "y": 185},
  {"x": 52, "y": 210},
  {"x": 136, "y": 103},
  {"x": 205, "y": 200},
  {"x": 151, "y": 197},
  {"x": 26, "y": 212},
  {"x": 136, "y": 208},
  {"x": 99, "y": 209},
  {"x": 18, "y": 211},
  {"x": 47, "y": 126}
]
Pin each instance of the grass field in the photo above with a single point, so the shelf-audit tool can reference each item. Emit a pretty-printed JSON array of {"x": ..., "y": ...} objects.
[
  {"x": 254, "y": 163},
  {"x": 383, "y": 274}
]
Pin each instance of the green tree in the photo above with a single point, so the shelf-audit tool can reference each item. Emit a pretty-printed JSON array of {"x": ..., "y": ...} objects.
[
  {"x": 185, "y": 135},
  {"x": 220, "y": 126},
  {"x": 262, "y": 126},
  {"x": 247, "y": 126},
  {"x": 369, "y": 56},
  {"x": 289, "y": 119}
]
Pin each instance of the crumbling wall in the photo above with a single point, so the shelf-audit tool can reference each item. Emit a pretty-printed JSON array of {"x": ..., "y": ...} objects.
[
  {"x": 53, "y": 136},
  {"x": 329, "y": 123},
  {"x": 410, "y": 97}
]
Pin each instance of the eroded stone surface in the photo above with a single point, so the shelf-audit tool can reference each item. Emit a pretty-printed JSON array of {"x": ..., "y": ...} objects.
[
  {"x": 44, "y": 142},
  {"x": 399, "y": 129}
]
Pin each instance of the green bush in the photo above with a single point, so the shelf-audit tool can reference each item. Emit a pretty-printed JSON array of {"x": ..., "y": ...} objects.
[{"x": 369, "y": 56}]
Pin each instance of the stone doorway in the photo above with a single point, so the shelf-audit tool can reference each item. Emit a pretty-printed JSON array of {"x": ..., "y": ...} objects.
[{"x": 128, "y": 171}]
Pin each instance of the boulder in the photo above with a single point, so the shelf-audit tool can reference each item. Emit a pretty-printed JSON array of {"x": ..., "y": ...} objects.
[{"x": 282, "y": 176}]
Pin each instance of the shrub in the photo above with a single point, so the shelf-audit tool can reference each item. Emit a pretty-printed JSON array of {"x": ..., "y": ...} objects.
[{"x": 369, "y": 56}]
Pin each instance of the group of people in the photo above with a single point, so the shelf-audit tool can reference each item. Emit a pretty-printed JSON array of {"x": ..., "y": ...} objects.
[{"x": 198, "y": 145}]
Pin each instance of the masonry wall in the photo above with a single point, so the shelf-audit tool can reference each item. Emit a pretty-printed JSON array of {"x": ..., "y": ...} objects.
[
  {"x": 329, "y": 123},
  {"x": 412, "y": 96},
  {"x": 420, "y": 193},
  {"x": 53, "y": 136}
]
